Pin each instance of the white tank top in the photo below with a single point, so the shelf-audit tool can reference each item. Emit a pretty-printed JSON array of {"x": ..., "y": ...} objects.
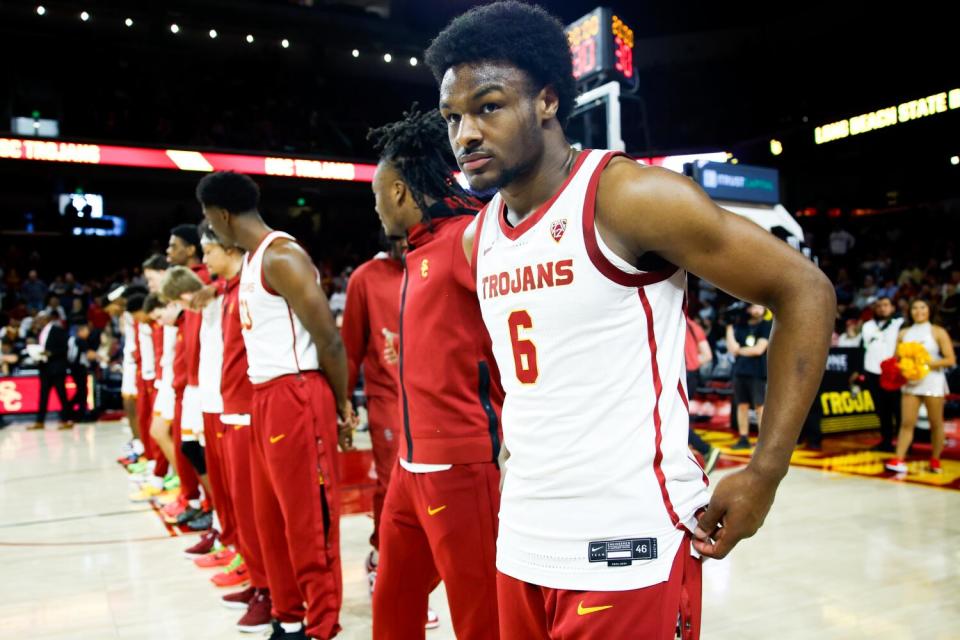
[
  {"x": 935, "y": 382},
  {"x": 211, "y": 357},
  {"x": 600, "y": 484},
  {"x": 148, "y": 358},
  {"x": 129, "y": 339},
  {"x": 277, "y": 342},
  {"x": 166, "y": 358}
]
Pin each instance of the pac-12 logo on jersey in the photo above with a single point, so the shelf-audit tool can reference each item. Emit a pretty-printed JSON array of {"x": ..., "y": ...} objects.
[{"x": 557, "y": 228}]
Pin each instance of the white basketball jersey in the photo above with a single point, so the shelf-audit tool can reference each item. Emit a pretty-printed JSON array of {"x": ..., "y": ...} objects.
[
  {"x": 211, "y": 357},
  {"x": 148, "y": 364},
  {"x": 169, "y": 351},
  {"x": 600, "y": 485},
  {"x": 277, "y": 342}
]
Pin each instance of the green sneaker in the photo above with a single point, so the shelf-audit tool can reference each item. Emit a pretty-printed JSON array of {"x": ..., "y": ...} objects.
[
  {"x": 171, "y": 482},
  {"x": 137, "y": 467},
  {"x": 236, "y": 562}
]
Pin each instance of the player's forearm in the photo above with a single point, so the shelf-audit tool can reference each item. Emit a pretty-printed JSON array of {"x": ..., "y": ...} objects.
[
  {"x": 797, "y": 354},
  {"x": 333, "y": 360}
]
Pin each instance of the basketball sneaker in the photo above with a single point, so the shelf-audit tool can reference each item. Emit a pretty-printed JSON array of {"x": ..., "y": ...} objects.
[
  {"x": 711, "y": 460},
  {"x": 172, "y": 511},
  {"x": 203, "y": 546},
  {"x": 896, "y": 465},
  {"x": 239, "y": 599},
  {"x": 221, "y": 558},
  {"x": 935, "y": 465},
  {"x": 279, "y": 633},
  {"x": 236, "y": 573},
  {"x": 433, "y": 620},
  {"x": 137, "y": 466},
  {"x": 188, "y": 514},
  {"x": 257, "y": 618},
  {"x": 146, "y": 493},
  {"x": 743, "y": 444},
  {"x": 171, "y": 482},
  {"x": 202, "y": 522}
]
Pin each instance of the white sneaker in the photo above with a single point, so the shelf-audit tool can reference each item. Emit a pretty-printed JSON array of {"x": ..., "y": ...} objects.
[
  {"x": 433, "y": 620},
  {"x": 897, "y": 466}
]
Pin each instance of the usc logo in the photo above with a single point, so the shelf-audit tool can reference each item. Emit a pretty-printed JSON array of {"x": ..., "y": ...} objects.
[
  {"x": 10, "y": 398},
  {"x": 424, "y": 268}
]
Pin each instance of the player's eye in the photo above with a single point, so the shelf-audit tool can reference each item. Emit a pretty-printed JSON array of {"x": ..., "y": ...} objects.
[{"x": 489, "y": 107}]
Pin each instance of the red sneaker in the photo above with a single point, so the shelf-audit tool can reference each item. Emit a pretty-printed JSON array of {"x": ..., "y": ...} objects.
[
  {"x": 239, "y": 599},
  {"x": 896, "y": 465},
  {"x": 218, "y": 559},
  {"x": 935, "y": 466},
  {"x": 204, "y": 545},
  {"x": 233, "y": 578},
  {"x": 170, "y": 512},
  {"x": 257, "y": 618}
]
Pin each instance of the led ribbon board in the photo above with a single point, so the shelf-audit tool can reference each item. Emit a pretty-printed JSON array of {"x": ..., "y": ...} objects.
[{"x": 183, "y": 160}]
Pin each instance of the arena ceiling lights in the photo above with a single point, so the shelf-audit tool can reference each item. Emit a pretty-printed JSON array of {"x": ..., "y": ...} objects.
[{"x": 183, "y": 160}]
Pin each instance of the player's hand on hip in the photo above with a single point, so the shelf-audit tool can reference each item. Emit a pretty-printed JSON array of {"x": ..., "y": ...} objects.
[
  {"x": 736, "y": 511},
  {"x": 390, "y": 353}
]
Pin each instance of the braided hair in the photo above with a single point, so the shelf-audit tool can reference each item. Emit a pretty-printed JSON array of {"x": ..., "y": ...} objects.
[{"x": 417, "y": 146}]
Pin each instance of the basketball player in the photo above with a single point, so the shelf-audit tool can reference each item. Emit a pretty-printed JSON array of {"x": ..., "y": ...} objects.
[
  {"x": 439, "y": 519},
  {"x": 298, "y": 369},
  {"x": 183, "y": 249},
  {"x": 236, "y": 391},
  {"x": 580, "y": 264},
  {"x": 373, "y": 308}
]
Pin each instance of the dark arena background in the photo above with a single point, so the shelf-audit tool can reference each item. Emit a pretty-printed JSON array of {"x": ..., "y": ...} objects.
[{"x": 834, "y": 126}]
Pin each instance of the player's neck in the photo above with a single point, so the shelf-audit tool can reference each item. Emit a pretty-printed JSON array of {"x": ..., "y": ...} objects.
[
  {"x": 249, "y": 231},
  {"x": 525, "y": 194}
]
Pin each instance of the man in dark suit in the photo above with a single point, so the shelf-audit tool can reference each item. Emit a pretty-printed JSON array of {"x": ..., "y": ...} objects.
[{"x": 54, "y": 365}]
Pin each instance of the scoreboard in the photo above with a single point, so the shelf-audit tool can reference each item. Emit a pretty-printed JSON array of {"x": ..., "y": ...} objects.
[{"x": 600, "y": 42}]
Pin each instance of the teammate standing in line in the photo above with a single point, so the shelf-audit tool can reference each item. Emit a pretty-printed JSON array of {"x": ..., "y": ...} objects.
[
  {"x": 372, "y": 312},
  {"x": 439, "y": 520},
  {"x": 580, "y": 266},
  {"x": 298, "y": 368}
]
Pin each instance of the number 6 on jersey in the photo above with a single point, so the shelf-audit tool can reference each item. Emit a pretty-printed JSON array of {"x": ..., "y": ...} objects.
[{"x": 524, "y": 351}]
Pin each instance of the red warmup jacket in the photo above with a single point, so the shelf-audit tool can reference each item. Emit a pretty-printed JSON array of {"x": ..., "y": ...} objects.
[
  {"x": 235, "y": 384},
  {"x": 450, "y": 393},
  {"x": 186, "y": 357},
  {"x": 373, "y": 304}
]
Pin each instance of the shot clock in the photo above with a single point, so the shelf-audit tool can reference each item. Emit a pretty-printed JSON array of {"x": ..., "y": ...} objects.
[{"x": 601, "y": 43}]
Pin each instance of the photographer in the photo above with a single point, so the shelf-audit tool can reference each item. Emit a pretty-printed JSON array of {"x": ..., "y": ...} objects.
[{"x": 747, "y": 341}]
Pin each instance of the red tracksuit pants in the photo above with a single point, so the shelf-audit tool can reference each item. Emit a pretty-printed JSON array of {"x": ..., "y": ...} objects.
[
  {"x": 146, "y": 396},
  {"x": 189, "y": 480},
  {"x": 438, "y": 526},
  {"x": 296, "y": 497},
  {"x": 532, "y": 612},
  {"x": 384, "y": 425},
  {"x": 213, "y": 456},
  {"x": 235, "y": 460}
]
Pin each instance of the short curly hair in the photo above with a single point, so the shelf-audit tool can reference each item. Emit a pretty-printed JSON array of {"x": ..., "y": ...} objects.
[
  {"x": 522, "y": 35},
  {"x": 235, "y": 192}
]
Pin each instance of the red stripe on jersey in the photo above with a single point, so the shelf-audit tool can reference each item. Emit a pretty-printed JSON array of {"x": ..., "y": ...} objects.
[
  {"x": 657, "y": 389},
  {"x": 683, "y": 396},
  {"x": 599, "y": 260},
  {"x": 514, "y": 233}
]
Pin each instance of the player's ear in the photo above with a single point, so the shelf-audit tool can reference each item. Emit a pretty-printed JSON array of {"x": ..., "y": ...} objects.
[
  {"x": 548, "y": 103},
  {"x": 400, "y": 192}
]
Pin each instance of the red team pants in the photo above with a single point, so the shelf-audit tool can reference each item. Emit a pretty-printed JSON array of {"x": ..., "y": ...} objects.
[
  {"x": 532, "y": 612},
  {"x": 235, "y": 460},
  {"x": 213, "y": 456},
  {"x": 146, "y": 396},
  {"x": 296, "y": 497},
  {"x": 383, "y": 421},
  {"x": 439, "y": 526},
  {"x": 189, "y": 480}
]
